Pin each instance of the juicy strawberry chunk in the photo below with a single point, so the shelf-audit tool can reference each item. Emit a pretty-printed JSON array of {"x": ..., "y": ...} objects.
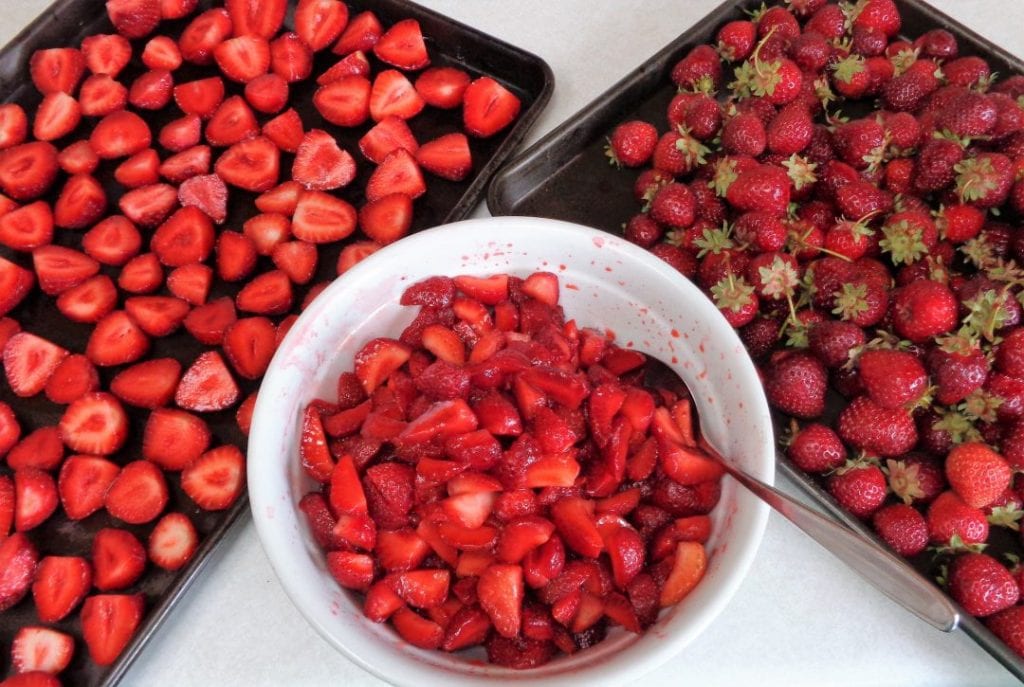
[
  {"x": 190, "y": 162},
  {"x": 28, "y": 170},
  {"x": 41, "y": 449},
  {"x": 206, "y": 192},
  {"x": 351, "y": 570},
  {"x": 134, "y": 18},
  {"x": 201, "y": 97},
  {"x": 113, "y": 241},
  {"x": 688, "y": 568},
  {"x": 138, "y": 494},
  {"x": 176, "y": 9},
  {"x": 387, "y": 218},
  {"x": 285, "y": 130},
  {"x": 214, "y": 481},
  {"x": 94, "y": 424},
  {"x": 41, "y": 650},
  {"x": 291, "y": 58},
  {"x": 13, "y": 125},
  {"x": 488, "y": 107},
  {"x": 447, "y": 156},
  {"x": 320, "y": 164},
  {"x": 29, "y": 361},
  {"x": 375, "y": 362},
  {"x": 173, "y": 439},
  {"x": 268, "y": 294},
  {"x": 59, "y": 268},
  {"x": 100, "y": 95},
  {"x": 352, "y": 64},
  {"x": 353, "y": 253},
  {"x": 186, "y": 237},
  {"x": 266, "y": 231},
  {"x": 15, "y": 283},
  {"x": 162, "y": 52},
  {"x": 398, "y": 173},
  {"x": 120, "y": 134},
  {"x": 256, "y": 17},
  {"x": 56, "y": 70},
  {"x": 60, "y": 584},
  {"x": 393, "y": 95},
  {"x": 320, "y": 22},
  {"x": 76, "y": 158},
  {"x": 109, "y": 622},
  {"x": 500, "y": 590},
  {"x": 313, "y": 452},
  {"x": 207, "y": 323},
  {"x": 249, "y": 344},
  {"x": 488, "y": 290},
  {"x": 362, "y": 33},
  {"x": 443, "y": 419},
  {"x": 74, "y": 377},
  {"x": 281, "y": 199},
  {"x": 417, "y": 630},
  {"x": 202, "y": 35},
  {"x": 191, "y": 282},
  {"x": 345, "y": 101},
  {"x": 252, "y": 165},
  {"x": 207, "y": 385},
  {"x": 149, "y": 384},
  {"x": 402, "y": 46},
  {"x": 116, "y": 340},
  {"x": 389, "y": 134},
  {"x": 267, "y": 93},
  {"x": 18, "y": 559},
  {"x": 149, "y": 205},
  {"x": 83, "y": 482},
  {"x": 421, "y": 588},
  {"x": 243, "y": 58},
  {"x": 297, "y": 259},
  {"x": 118, "y": 559},
  {"x": 442, "y": 87},
  {"x": 35, "y": 498},
  {"x": 141, "y": 169},
  {"x": 152, "y": 90},
  {"x": 141, "y": 274},
  {"x": 321, "y": 218},
  {"x": 575, "y": 522},
  {"x": 233, "y": 122},
  {"x": 173, "y": 541},
  {"x": 106, "y": 54},
  {"x": 57, "y": 116}
]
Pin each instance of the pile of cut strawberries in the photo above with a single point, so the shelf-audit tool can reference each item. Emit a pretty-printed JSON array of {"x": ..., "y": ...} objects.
[
  {"x": 164, "y": 208},
  {"x": 500, "y": 476},
  {"x": 851, "y": 202}
]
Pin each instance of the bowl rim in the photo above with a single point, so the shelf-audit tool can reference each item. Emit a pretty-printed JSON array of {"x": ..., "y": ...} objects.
[{"x": 261, "y": 440}]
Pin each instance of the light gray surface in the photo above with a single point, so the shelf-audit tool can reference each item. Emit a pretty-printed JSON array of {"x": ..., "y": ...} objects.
[{"x": 800, "y": 618}]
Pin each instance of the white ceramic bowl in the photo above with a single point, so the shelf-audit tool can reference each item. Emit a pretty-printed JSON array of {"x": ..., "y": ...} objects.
[{"x": 606, "y": 282}]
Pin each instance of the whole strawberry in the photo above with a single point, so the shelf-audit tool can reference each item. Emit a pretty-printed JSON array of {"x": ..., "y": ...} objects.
[
  {"x": 860, "y": 144},
  {"x": 892, "y": 378},
  {"x": 981, "y": 584},
  {"x": 632, "y": 143},
  {"x": 674, "y": 206},
  {"x": 1010, "y": 354},
  {"x": 915, "y": 478},
  {"x": 765, "y": 188},
  {"x": 880, "y": 15},
  {"x": 678, "y": 153},
  {"x": 736, "y": 300},
  {"x": 744, "y": 134},
  {"x": 1008, "y": 625},
  {"x": 924, "y": 309},
  {"x": 984, "y": 180},
  {"x": 859, "y": 487},
  {"x": 977, "y": 474},
  {"x": 958, "y": 370},
  {"x": 833, "y": 340},
  {"x": 790, "y": 130},
  {"x": 796, "y": 385},
  {"x": 879, "y": 431},
  {"x": 948, "y": 517},
  {"x": 736, "y": 40},
  {"x": 902, "y": 527},
  {"x": 816, "y": 448},
  {"x": 699, "y": 70}
]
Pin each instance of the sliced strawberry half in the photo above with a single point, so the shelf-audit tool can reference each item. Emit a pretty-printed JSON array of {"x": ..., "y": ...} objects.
[
  {"x": 249, "y": 344},
  {"x": 94, "y": 424},
  {"x": 243, "y": 58},
  {"x": 141, "y": 274},
  {"x": 59, "y": 268},
  {"x": 138, "y": 494},
  {"x": 351, "y": 570},
  {"x": 207, "y": 385},
  {"x": 214, "y": 481},
  {"x": 402, "y": 46},
  {"x": 35, "y": 498},
  {"x": 200, "y": 97},
  {"x": 320, "y": 22},
  {"x": 13, "y": 125},
  {"x": 41, "y": 650},
  {"x": 488, "y": 107},
  {"x": 149, "y": 205},
  {"x": 393, "y": 95},
  {"x": 191, "y": 282},
  {"x": 134, "y": 18},
  {"x": 149, "y": 384},
  {"x": 15, "y": 283},
  {"x": 267, "y": 93},
  {"x": 76, "y": 158},
  {"x": 116, "y": 340},
  {"x": 256, "y": 17},
  {"x": 100, "y": 95},
  {"x": 186, "y": 164},
  {"x": 120, "y": 134},
  {"x": 113, "y": 241},
  {"x": 56, "y": 70},
  {"x": 362, "y": 33},
  {"x": 82, "y": 484},
  {"x": 28, "y": 170},
  {"x": 28, "y": 227},
  {"x": 389, "y": 134},
  {"x": 161, "y": 52},
  {"x": 448, "y": 156},
  {"x": 320, "y": 164},
  {"x": 57, "y": 116},
  {"x": 6, "y": 506},
  {"x": 291, "y": 58},
  {"x": 106, "y": 54},
  {"x": 398, "y": 173},
  {"x": 386, "y": 219},
  {"x": 118, "y": 559},
  {"x": 500, "y": 591},
  {"x": 352, "y": 64},
  {"x": 375, "y": 361},
  {"x": 173, "y": 541},
  {"x": 157, "y": 315},
  {"x": 207, "y": 323},
  {"x": 313, "y": 452},
  {"x": 41, "y": 449},
  {"x": 18, "y": 559},
  {"x": 253, "y": 165},
  {"x": 29, "y": 361},
  {"x": 285, "y": 131},
  {"x": 266, "y": 231},
  {"x": 186, "y": 237},
  {"x": 321, "y": 218},
  {"x": 297, "y": 259},
  {"x": 141, "y": 169},
  {"x": 152, "y": 90},
  {"x": 206, "y": 192},
  {"x": 109, "y": 622},
  {"x": 354, "y": 253},
  {"x": 233, "y": 122},
  {"x": 345, "y": 101},
  {"x": 60, "y": 584},
  {"x": 268, "y": 294},
  {"x": 173, "y": 439},
  {"x": 74, "y": 377},
  {"x": 442, "y": 87},
  {"x": 203, "y": 34}
]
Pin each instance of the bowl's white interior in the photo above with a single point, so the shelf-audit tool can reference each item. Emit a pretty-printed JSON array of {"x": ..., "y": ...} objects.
[{"x": 606, "y": 283}]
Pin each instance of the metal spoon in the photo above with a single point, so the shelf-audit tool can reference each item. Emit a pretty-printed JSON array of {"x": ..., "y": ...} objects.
[{"x": 883, "y": 569}]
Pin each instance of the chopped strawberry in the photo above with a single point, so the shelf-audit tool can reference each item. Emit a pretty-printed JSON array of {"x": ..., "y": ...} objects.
[
  {"x": 200, "y": 97},
  {"x": 352, "y": 64},
  {"x": 375, "y": 361},
  {"x": 6, "y": 505},
  {"x": 402, "y": 46},
  {"x": 252, "y": 165},
  {"x": 488, "y": 107},
  {"x": 109, "y": 622},
  {"x": 398, "y": 173},
  {"x": 180, "y": 135},
  {"x": 249, "y": 344},
  {"x": 15, "y": 284},
  {"x": 138, "y": 494},
  {"x": 28, "y": 170},
  {"x": 82, "y": 484},
  {"x": 207, "y": 385},
  {"x": 116, "y": 340},
  {"x": 320, "y": 165},
  {"x": 149, "y": 384},
  {"x": 285, "y": 130},
  {"x": 417, "y": 630},
  {"x": 268, "y": 294},
  {"x": 41, "y": 449},
  {"x": 389, "y": 134},
  {"x": 141, "y": 169},
  {"x": 353, "y": 253},
  {"x": 362, "y": 33},
  {"x": 386, "y": 219},
  {"x": 57, "y": 116},
  {"x": 186, "y": 237},
  {"x": 500, "y": 590},
  {"x": 120, "y": 134},
  {"x": 94, "y": 424},
  {"x": 266, "y": 231},
  {"x": 58, "y": 268},
  {"x": 56, "y": 70},
  {"x": 188, "y": 163},
  {"x": 60, "y": 584},
  {"x": 113, "y": 241},
  {"x": 297, "y": 259},
  {"x": 233, "y": 122},
  {"x": 447, "y": 156},
  {"x": 173, "y": 438},
  {"x": 243, "y": 58},
  {"x": 13, "y": 125},
  {"x": 35, "y": 498},
  {"x": 256, "y": 17},
  {"x": 442, "y": 87},
  {"x": 173, "y": 541},
  {"x": 18, "y": 559},
  {"x": 134, "y": 18},
  {"x": 393, "y": 95},
  {"x": 106, "y": 54},
  {"x": 77, "y": 158},
  {"x": 176, "y": 9},
  {"x": 320, "y": 22},
  {"x": 152, "y": 90},
  {"x": 41, "y": 650},
  {"x": 688, "y": 566},
  {"x": 29, "y": 361},
  {"x": 320, "y": 218},
  {"x": 202, "y": 35},
  {"x": 100, "y": 95},
  {"x": 157, "y": 315},
  {"x": 575, "y": 522},
  {"x": 351, "y": 570},
  {"x": 118, "y": 559},
  {"x": 191, "y": 282},
  {"x": 267, "y": 93},
  {"x": 345, "y": 101},
  {"x": 74, "y": 377},
  {"x": 208, "y": 322},
  {"x": 214, "y": 481},
  {"x": 206, "y": 192},
  {"x": 313, "y": 452},
  {"x": 141, "y": 274},
  {"x": 162, "y": 52},
  {"x": 148, "y": 206},
  {"x": 236, "y": 256},
  {"x": 291, "y": 58}
]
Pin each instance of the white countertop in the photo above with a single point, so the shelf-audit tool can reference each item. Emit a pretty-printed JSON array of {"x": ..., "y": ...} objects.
[{"x": 800, "y": 617}]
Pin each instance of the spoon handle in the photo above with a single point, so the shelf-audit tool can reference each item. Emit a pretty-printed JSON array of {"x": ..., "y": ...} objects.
[{"x": 889, "y": 574}]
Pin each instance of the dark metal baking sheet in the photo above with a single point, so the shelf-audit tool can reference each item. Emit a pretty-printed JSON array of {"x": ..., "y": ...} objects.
[
  {"x": 65, "y": 23},
  {"x": 566, "y": 176}
]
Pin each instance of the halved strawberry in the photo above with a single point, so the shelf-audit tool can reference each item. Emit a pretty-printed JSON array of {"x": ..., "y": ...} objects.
[
  {"x": 252, "y": 165},
  {"x": 256, "y": 17},
  {"x": 488, "y": 107},
  {"x": 41, "y": 650},
  {"x": 542, "y": 286},
  {"x": 351, "y": 570},
  {"x": 362, "y": 33},
  {"x": 398, "y": 173},
  {"x": 267, "y": 93},
  {"x": 141, "y": 169},
  {"x": 206, "y": 192},
  {"x": 354, "y": 253},
  {"x": 313, "y": 453},
  {"x": 151, "y": 90},
  {"x": 186, "y": 237},
  {"x": 6, "y": 506},
  {"x": 116, "y": 340},
  {"x": 321, "y": 165},
  {"x": 208, "y": 322},
  {"x": 291, "y": 58},
  {"x": 386, "y": 219},
  {"x": 94, "y": 424},
  {"x": 354, "y": 63},
  {"x": 285, "y": 130},
  {"x": 173, "y": 541},
  {"x": 214, "y": 481},
  {"x": 15, "y": 283},
  {"x": 266, "y": 231},
  {"x": 157, "y": 315},
  {"x": 688, "y": 566},
  {"x": 28, "y": 227},
  {"x": 138, "y": 494},
  {"x": 56, "y": 70},
  {"x": 89, "y": 301},
  {"x": 134, "y": 18},
  {"x": 13, "y": 125},
  {"x": 442, "y": 87},
  {"x": 148, "y": 206},
  {"x": 113, "y": 241},
  {"x": 447, "y": 156},
  {"x": 232, "y": 122},
  {"x": 173, "y": 439},
  {"x": 345, "y": 102},
  {"x": 200, "y": 97},
  {"x": 243, "y": 58},
  {"x": 191, "y": 282},
  {"x": 268, "y": 294},
  {"x": 10, "y": 430},
  {"x": 35, "y": 498},
  {"x": 320, "y": 22},
  {"x": 249, "y": 344},
  {"x": 18, "y": 559},
  {"x": 59, "y": 268},
  {"x": 120, "y": 134},
  {"x": 500, "y": 592},
  {"x": 77, "y": 158},
  {"x": 161, "y": 52},
  {"x": 29, "y": 361},
  {"x": 41, "y": 449},
  {"x": 176, "y": 9},
  {"x": 207, "y": 385},
  {"x": 141, "y": 274},
  {"x": 194, "y": 161},
  {"x": 118, "y": 559},
  {"x": 74, "y": 377},
  {"x": 320, "y": 218},
  {"x": 149, "y": 384},
  {"x": 181, "y": 134},
  {"x": 297, "y": 259},
  {"x": 100, "y": 95},
  {"x": 82, "y": 484},
  {"x": 523, "y": 535},
  {"x": 60, "y": 584},
  {"x": 393, "y": 95},
  {"x": 57, "y": 116},
  {"x": 236, "y": 256},
  {"x": 389, "y": 134},
  {"x": 106, "y": 54},
  {"x": 421, "y": 588},
  {"x": 402, "y": 46},
  {"x": 109, "y": 622},
  {"x": 27, "y": 170},
  {"x": 575, "y": 522},
  {"x": 203, "y": 34}
]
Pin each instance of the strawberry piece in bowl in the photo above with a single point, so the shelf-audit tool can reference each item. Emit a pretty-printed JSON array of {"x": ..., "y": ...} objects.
[{"x": 478, "y": 482}]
